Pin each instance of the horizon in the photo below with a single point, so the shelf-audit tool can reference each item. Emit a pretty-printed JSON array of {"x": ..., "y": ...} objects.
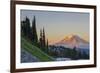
[
  {"x": 58, "y": 25},
  {"x": 68, "y": 37}
]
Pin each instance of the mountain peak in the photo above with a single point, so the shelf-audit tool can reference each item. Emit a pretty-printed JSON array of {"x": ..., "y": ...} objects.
[
  {"x": 72, "y": 41},
  {"x": 74, "y": 38},
  {"x": 71, "y": 36}
]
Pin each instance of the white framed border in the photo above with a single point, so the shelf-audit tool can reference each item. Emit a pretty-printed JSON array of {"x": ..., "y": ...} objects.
[{"x": 52, "y": 64}]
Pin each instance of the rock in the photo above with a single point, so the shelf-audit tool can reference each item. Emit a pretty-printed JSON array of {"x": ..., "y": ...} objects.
[{"x": 27, "y": 57}]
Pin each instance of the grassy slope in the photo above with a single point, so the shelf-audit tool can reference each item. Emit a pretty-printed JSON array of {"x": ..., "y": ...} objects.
[{"x": 35, "y": 51}]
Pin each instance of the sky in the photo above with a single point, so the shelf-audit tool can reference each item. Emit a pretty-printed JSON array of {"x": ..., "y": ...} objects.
[{"x": 58, "y": 25}]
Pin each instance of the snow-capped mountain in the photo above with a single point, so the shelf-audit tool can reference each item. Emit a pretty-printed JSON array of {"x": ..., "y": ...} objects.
[{"x": 72, "y": 41}]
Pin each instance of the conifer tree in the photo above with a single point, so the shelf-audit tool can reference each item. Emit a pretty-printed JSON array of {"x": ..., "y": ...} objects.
[
  {"x": 43, "y": 37},
  {"x": 34, "y": 32},
  {"x": 40, "y": 39},
  {"x": 25, "y": 27},
  {"x": 28, "y": 28},
  {"x": 47, "y": 44}
]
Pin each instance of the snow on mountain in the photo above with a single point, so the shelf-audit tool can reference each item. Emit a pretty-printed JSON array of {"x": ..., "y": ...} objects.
[{"x": 72, "y": 41}]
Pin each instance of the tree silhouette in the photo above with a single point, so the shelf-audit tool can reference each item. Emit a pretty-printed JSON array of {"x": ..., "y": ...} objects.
[
  {"x": 47, "y": 44},
  {"x": 43, "y": 37},
  {"x": 25, "y": 27},
  {"x": 40, "y": 39},
  {"x": 28, "y": 27},
  {"x": 31, "y": 34},
  {"x": 43, "y": 43},
  {"x": 34, "y": 32},
  {"x": 74, "y": 53}
]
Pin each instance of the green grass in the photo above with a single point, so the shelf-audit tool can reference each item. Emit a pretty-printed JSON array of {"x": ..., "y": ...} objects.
[{"x": 35, "y": 51}]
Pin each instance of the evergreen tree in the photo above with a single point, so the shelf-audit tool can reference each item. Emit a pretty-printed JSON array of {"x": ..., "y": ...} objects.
[
  {"x": 40, "y": 39},
  {"x": 25, "y": 27},
  {"x": 74, "y": 53},
  {"x": 47, "y": 44},
  {"x": 34, "y": 32},
  {"x": 42, "y": 42},
  {"x": 43, "y": 37}
]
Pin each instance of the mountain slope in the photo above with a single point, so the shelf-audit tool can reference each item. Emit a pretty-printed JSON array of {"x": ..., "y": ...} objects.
[
  {"x": 73, "y": 41},
  {"x": 35, "y": 51}
]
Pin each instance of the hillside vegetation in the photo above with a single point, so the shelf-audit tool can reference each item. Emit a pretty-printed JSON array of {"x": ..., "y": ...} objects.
[{"x": 35, "y": 51}]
